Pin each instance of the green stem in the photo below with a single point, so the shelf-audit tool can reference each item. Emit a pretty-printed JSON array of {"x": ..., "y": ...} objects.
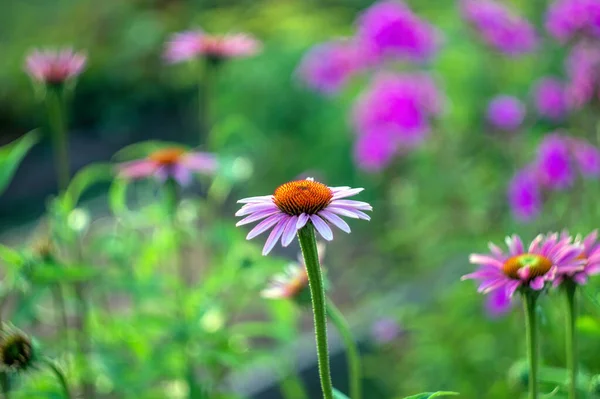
[
  {"x": 204, "y": 92},
  {"x": 529, "y": 303},
  {"x": 571, "y": 341},
  {"x": 354, "y": 366},
  {"x": 60, "y": 376},
  {"x": 84, "y": 339},
  {"x": 57, "y": 119},
  {"x": 308, "y": 243},
  {"x": 62, "y": 322},
  {"x": 173, "y": 195},
  {"x": 291, "y": 388}
]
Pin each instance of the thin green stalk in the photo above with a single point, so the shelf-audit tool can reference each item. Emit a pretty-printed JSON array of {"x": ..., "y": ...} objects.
[
  {"x": 84, "y": 339},
  {"x": 172, "y": 193},
  {"x": 204, "y": 93},
  {"x": 60, "y": 376},
  {"x": 62, "y": 322},
  {"x": 529, "y": 303},
  {"x": 57, "y": 118},
  {"x": 308, "y": 243},
  {"x": 354, "y": 365},
  {"x": 5, "y": 383},
  {"x": 570, "y": 339},
  {"x": 291, "y": 388}
]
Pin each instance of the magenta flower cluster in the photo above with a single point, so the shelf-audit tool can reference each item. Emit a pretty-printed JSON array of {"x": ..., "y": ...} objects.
[
  {"x": 547, "y": 261},
  {"x": 393, "y": 113},
  {"x": 499, "y": 27},
  {"x": 559, "y": 160},
  {"x": 506, "y": 113},
  {"x": 573, "y": 19}
]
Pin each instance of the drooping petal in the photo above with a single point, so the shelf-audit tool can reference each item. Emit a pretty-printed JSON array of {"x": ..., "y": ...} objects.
[
  {"x": 260, "y": 198},
  {"x": 257, "y": 216},
  {"x": 537, "y": 283},
  {"x": 137, "y": 169},
  {"x": 275, "y": 234},
  {"x": 352, "y": 204},
  {"x": 335, "y": 220},
  {"x": 290, "y": 231},
  {"x": 265, "y": 225},
  {"x": 256, "y": 207},
  {"x": 346, "y": 193},
  {"x": 302, "y": 220},
  {"x": 322, "y": 227}
]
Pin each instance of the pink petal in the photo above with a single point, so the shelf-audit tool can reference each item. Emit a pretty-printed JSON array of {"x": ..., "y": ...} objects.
[
  {"x": 479, "y": 259},
  {"x": 265, "y": 225},
  {"x": 275, "y": 234},
  {"x": 302, "y": 220},
  {"x": 335, "y": 220},
  {"x": 352, "y": 204},
  {"x": 537, "y": 283},
  {"x": 322, "y": 227},
  {"x": 290, "y": 231},
  {"x": 137, "y": 169},
  {"x": 257, "y": 216},
  {"x": 346, "y": 193}
]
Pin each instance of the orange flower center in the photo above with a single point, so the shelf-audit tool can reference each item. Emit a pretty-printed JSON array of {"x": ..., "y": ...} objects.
[
  {"x": 167, "y": 156},
  {"x": 302, "y": 196},
  {"x": 538, "y": 265},
  {"x": 296, "y": 286}
]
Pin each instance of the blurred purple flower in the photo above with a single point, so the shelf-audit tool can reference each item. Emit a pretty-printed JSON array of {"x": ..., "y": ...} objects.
[
  {"x": 175, "y": 163},
  {"x": 524, "y": 195},
  {"x": 497, "y": 304},
  {"x": 328, "y": 66},
  {"x": 572, "y": 19},
  {"x": 506, "y": 113},
  {"x": 390, "y": 28},
  {"x": 385, "y": 330},
  {"x": 54, "y": 67},
  {"x": 500, "y": 27},
  {"x": 549, "y": 97},
  {"x": 187, "y": 45},
  {"x": 553, "y": 164},
  {"x": 374, "y": 151},
  {"x": 583, "y": 70},
  {"x": 398, "y": 106},
  {"x": 587, "y": 157}
]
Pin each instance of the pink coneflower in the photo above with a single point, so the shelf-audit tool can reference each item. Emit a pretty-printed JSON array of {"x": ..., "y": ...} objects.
[
  {"x": 506, "y": 112},
  {"x": 375, "y": 150},
  {"x": 296, "y": 203},
  {"x": 500, "y": 27},
  {"x": 328, "y": 66},
  {"x": 390, "y": 29},
  {"x": 524, "y": 194},
  {"x": 293, "y": 282},
  {"x": 546, "y": 257},
  {"x": 572, "y": 19},
  {"x": 550, "y": 99},
  {"x": 175, "y": 163},
  {"x": 54, "y": 67},
  {"x": 590, "y": 257},
  {"x": 554, "y": 164},
  {"x": 184, "y": 46},
  {"x": 583, "y": 70},
  {"x": 587, "y": 157}
]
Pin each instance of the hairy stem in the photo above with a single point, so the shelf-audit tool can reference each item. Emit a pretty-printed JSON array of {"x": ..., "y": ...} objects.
[
  {"x": 529, "y": 303},
  {"x": 308, "y": 243},
  {"x": 570, "y": 339},
  {"x": 57, "y": 118}
]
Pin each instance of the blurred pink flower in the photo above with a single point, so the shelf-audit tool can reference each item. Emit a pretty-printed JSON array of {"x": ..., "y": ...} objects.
[
  {"x": 572, "y": 19},
  {"x": 175, "y": 163},
  {"x": 524, "y": 195},
  {"x": 328, "y": 66},
  {"x": 587, "y": 157},
  {"x": 498, "y": 304},
  {"x": 374, "y": 151},
  {"x": 506, "y": 112},
  {"x": 590, "y": 256},
  {"x": 583, "y": 70},
  {"x": 390, "y": 28},
  {"x": 386, "y": 330},
  {"x": 550, "y": 100},
  {"x": 54, "y": 67},
  {"x": 554, "y": 164},
  {"x": 499, "y": 27},
  {"x": 192, "y": 44}
]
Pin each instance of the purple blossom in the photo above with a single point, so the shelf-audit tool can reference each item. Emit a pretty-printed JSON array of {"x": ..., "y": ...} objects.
[
  {"x": 390, "y": 28},
  {"x": 571, "y": 19},
  {"x": 499, "y": 27},
  {"x": 385, "y": 330},
  {"x": 506, "y": 113},
  {"x": 583, "y": 69},
  {"x": 374, "y": 151},
  {"x": 192, "y": 44},
  {"x": 550, "y": 100},
  {"x": 587, "y": 157},
  {"x": 398, "y": 107},
  {"x": 54, "y": 67},
  {"x": 524, "y": 195},
  {"x": 553, "y": 163},
  {"x": 328, "y": 66},
  {"x": 498, "y": 304},
  {"x": 590, "y": 256}
]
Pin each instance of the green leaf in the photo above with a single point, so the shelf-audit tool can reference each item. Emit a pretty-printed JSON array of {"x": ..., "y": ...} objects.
[
  {"x": 431, "y": 395},
  {"x": 68, "y": 274},
  {"x": 338, "y": 395},
  {"x": 11, "y": 156},
  {"x": 86, "y": 178}
]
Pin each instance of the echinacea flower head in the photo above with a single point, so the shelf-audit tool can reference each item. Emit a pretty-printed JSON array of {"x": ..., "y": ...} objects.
[
  {"x": 295, "y": 204},
  {"x": 587, "y": 157},
  {"x": 499, "y": 27},
  {"x": 573, "y": 19},
  {"x": 398, "y": 106},
  {"x": 16, "y": 350},
  {"x": 54, "y": 67},
  {"x": 506, "y": 113},
  {"x": 524, "y": 195},
  {"x": 293, "y": 282},
  {"x": 524, "y": 267},
  {"x": 390, "y": 29},
  {"x": 590, "y": 257},
  {"x": 554, "y": 164},
  {"x": 193, "y": 44},
  {"x": 550, "y": 99},
  {"x": 328, "y": 66},
  {"x": 170, "y": 163}
]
